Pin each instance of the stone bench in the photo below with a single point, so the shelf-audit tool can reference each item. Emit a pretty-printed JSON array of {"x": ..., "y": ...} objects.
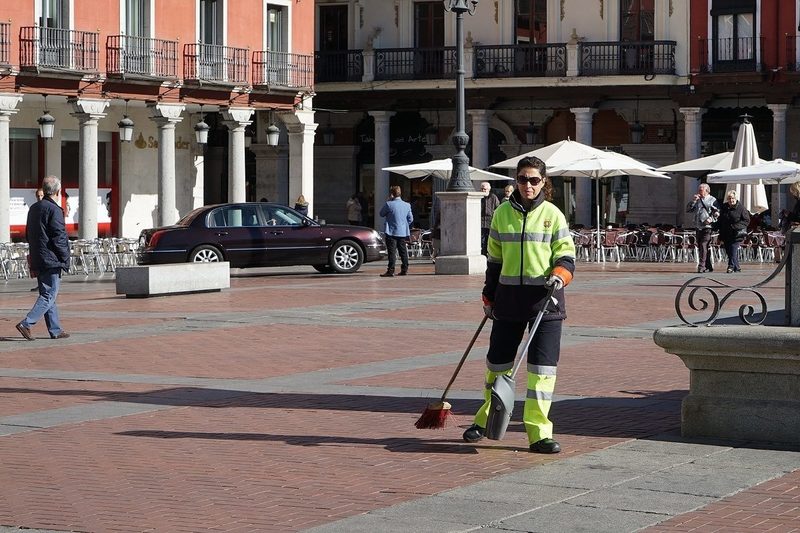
[
  {"x": 744, "y": 381},
  {"x": 157, "y": 280}
]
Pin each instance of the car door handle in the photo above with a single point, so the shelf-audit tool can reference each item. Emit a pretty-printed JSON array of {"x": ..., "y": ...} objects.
[
  {"x": 221, "y": 233},
  {"x": 276, "y": 233}
]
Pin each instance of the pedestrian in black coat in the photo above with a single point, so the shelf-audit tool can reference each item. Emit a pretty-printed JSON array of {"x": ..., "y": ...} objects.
[{"x": 733, "y": 222}]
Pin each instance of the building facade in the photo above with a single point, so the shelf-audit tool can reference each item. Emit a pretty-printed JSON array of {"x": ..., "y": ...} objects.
[
  {"x": 237, "y": 67},
  {"x": 660, "y": 80}
]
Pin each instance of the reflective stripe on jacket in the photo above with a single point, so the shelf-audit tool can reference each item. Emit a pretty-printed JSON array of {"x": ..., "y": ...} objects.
[
  {"x": 523, "y": 248},
  {"x": 528, "y": 245}
]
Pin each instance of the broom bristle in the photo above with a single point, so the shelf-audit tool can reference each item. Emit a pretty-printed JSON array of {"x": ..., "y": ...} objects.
[{"x": 435, "y": 416}]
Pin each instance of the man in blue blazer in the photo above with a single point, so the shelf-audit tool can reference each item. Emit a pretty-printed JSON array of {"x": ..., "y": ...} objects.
[
  {"x": 49, "y": 256},
  {"x": 398, "y": 219}
]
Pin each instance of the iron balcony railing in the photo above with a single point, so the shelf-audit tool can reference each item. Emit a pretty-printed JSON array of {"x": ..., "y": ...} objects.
[
  {"x": 282, "y": 69},
  {"x": 58, "y": 48},
  {"x": 344, "y": 65},
  {"x": 415, "y": 63},
  {"x": 730, "y": 55},
  {"x": 520, "y": 60},
  {"x": 215, "y": 63},
  {"x": 791, "y": 53},
  {"x": 5, "y": 43},
  {"x": 141, "y": 56},
  {"x": 627, "y": 57}
]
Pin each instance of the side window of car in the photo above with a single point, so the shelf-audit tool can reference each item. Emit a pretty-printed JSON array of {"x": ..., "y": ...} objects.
[
  {"x": 284, "y": 217},
  {"x": 217, "y": 218}
]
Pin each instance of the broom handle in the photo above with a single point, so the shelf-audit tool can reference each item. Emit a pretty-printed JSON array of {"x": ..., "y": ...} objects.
[
  {"x": 532, "y": 332},
  {"x": 464, "y": 357}
]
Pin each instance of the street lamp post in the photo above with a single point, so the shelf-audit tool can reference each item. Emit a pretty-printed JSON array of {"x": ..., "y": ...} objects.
[
  {"x": 459, "y": 178},
  {"x": 460, "y": 204}
]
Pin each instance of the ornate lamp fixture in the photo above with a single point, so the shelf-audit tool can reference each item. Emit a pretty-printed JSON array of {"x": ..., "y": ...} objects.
[
  {"x": 47, "y": 123},
  {"x": 201, "y": 129},
  {"x": 125, "y": 126},
  {"x": 273, "y": 133}
]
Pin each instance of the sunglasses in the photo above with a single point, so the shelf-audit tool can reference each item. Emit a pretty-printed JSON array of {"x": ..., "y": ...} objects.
[{"x": 533, "y": 180}]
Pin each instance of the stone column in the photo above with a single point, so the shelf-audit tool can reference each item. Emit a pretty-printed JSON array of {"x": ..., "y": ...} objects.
[
  {"x": 692, "y": 135},
  {"x": 8, "y": 105},
  {"x": 480, "y": 137},
  {"x": 236, "y": 119},
  {"x": 779, "y": 151},
  {"x": 301, "y": 127},
  {"x": 88, "y": 112},
  {"x": 382, "y": 143},
  {"x": 166, "y": 116},
  {"x": 583, "y": 186}
]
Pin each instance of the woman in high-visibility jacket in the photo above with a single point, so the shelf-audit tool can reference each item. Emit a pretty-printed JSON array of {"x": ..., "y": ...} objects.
[{"x": 530, "y": 249}]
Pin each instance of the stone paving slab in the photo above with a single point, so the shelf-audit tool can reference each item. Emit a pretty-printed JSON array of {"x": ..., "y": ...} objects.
[{"x": 287, "y": 402}]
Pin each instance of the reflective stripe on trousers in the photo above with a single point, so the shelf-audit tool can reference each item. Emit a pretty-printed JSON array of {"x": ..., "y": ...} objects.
[{"x": 537, "y": 406}]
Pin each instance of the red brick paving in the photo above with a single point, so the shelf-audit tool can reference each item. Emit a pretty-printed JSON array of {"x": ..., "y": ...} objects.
[{"x": 284, "y": 462}]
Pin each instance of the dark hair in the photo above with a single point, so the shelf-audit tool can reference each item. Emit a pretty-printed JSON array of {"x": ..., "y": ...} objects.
[{"x": 537, "y": 164}]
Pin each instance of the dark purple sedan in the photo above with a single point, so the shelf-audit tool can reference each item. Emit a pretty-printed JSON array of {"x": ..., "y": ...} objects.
[{"x": 260, "y": 235}]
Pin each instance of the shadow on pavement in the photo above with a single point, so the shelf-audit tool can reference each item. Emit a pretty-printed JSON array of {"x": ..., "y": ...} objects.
[{"x": 647, "y": 414}]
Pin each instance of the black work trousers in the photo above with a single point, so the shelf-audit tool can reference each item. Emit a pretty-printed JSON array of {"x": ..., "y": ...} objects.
[{"x": 506, "y": 337}]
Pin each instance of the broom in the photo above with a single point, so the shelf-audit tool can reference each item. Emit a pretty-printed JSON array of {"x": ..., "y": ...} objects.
[{"x": 436, "y": 414}]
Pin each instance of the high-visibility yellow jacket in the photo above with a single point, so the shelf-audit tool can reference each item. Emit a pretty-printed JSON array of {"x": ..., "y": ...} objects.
[{"x": 525, "y": 247}]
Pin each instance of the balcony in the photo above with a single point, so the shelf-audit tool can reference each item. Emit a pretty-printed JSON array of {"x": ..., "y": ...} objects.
[
  {"x": 345, "y": 65},
  {"x": 415, "y": 63},
  {"x": 5, "y": 44},
  {"x": 283, "y": 70},
  {"x": 58, "y": 49},
  {"x": 215, "y": 64},
  {"x": 132, "y": 56},
  {"x": 628, "y": 57},
  {"x": 520, "y": 60},
  {"x": 730, "y": 55}
]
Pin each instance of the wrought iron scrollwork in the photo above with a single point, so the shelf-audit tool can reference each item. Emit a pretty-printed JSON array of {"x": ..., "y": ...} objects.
[{"x": 707, "y": 294}]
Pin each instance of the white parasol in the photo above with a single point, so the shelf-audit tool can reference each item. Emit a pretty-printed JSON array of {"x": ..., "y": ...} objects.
[
  {"x": 442, "y": 168},
  {"x": 603, "y": 165}
]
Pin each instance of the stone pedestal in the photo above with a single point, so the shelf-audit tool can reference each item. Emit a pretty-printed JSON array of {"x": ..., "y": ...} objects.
[
  {"x": 744, "y": 381},
  {"x": 461, "y": 234}
]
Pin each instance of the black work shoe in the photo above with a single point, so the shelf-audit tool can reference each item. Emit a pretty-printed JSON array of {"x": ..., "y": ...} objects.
[
  {"x": 545, "y": 446},
  {"x": 387, "y": 274},
  {"x": 25, "y": 331},
  {"x": 474, "y": 433},
  {"x": 403, "y": 273}
]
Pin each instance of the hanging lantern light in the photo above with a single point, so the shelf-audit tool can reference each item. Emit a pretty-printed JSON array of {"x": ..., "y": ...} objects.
[
  {"x": 47, "y": 123},
  {"x": 201, "y": 129},
  {"x": 125, "y": 126},
  {"x": 273, "y": 133}
]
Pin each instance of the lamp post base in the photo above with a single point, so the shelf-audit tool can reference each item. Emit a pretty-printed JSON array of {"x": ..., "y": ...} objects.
[
  {"x": 461, "y": 264},
  {"x": 461, "y": 234}
]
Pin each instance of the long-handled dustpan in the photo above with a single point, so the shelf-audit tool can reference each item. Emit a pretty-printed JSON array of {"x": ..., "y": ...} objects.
[{"x": 502, "y": 397}]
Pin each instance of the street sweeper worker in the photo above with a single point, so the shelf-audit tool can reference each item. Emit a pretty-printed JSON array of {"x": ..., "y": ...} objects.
[{"x": 529, "y": 250}]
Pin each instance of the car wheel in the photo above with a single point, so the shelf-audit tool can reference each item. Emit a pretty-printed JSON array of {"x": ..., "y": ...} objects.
[
  {"x": 346, "y": 257},
  {"x": 324, "y": 269},
  {"x": 206, "y": 254}
]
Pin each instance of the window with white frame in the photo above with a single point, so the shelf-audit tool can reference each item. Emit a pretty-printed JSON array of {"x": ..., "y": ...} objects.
[{"x": 277, "y": 42}]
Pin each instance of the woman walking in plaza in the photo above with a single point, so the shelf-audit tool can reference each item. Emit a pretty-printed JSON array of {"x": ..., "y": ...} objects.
[{"x": 733, "y": 221}]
